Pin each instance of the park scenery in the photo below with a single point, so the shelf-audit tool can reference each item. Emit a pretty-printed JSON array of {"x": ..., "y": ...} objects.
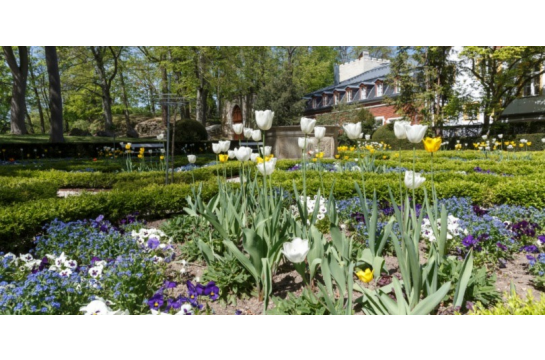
[{"x": 355, "y": 180}]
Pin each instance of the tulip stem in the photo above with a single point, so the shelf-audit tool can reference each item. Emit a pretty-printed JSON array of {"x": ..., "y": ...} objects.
[{"x": 414, "y": 178}]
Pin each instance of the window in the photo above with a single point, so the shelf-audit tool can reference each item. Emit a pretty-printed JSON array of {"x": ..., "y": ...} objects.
[
  {"x": 363, "y": 92},
  {"x": 324, "y": 100},
  {"x": 379, "y": 121},
  {"x": 533, "y": 87},
  {"x": 379, "y": 89},
  {"x": 314, "y": 103},
  {"x": 348, "y": 95},
  {"x": 336, "y": 98}
]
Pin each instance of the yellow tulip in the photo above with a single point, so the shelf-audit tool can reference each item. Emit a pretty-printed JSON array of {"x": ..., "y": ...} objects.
[
  {"x": 521, "y": 145},
  {"x": 346, "y": 157},
  {"x": 506, "y": 143},
  {"x": 161, "y": 157},
  {"x": 128, "y": 147},
  {"x": 225, "y": 157},
  {"x": 529, "y": 143},
  {"x": 365, "y": 276},
  {"x": 337, "y": 156},
  {"x": 432, "y": 144}
]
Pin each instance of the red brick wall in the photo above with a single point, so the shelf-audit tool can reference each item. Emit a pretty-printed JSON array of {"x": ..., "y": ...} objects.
[{"x": 387, "y": 111}]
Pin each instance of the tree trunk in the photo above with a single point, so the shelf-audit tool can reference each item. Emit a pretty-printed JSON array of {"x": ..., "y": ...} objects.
[
  {"x": 130, "y": 129},
  {"x": 164, "y": 90},
  {"x": 37, "y": 94},
  {"x": 18, "y": 96},
  {"x": 105, "y": 85},
  {"x": 55, "y": 99},
  {"x": 30, "y": 126}
]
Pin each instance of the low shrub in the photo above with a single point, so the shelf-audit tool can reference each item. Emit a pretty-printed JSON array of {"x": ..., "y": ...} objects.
[{"x": 515, "y": 305}]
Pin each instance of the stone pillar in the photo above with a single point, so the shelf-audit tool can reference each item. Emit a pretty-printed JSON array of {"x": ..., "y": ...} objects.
[{"x": 284, "y": 141}]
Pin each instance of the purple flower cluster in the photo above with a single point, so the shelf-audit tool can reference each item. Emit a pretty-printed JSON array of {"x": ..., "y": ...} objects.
[
  {"x": 471, "y": 241},
  {"x": 161, "y": 302},
  {"x": 523, "y": 228}
]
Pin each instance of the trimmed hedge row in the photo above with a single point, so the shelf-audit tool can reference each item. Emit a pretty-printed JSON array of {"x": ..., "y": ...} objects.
[
  {"x": 16, "y": 189},
  {"x": 22, "y": 221}
]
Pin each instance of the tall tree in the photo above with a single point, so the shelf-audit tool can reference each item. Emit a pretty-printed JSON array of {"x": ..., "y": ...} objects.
[
  {"x": 34, "y": 86},
  {"x": 106, "y": 77},
  {"x": 502, "y": 72},
  {"x": 424, "y": 77},
  {"x": 55, "y": 98},
  {"x": 19, "y": 72}
]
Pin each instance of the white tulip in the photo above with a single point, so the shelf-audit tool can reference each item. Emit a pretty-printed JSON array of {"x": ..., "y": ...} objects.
[
  {"x": 400, "y": 129},
  {"x": 543, "y": 140},
  {"x": 510, "y": 147},
  {"x": 224, "y": 145},
  {"x": 265, "y": 151},
  {"x": 256, "y": 135},
  {"x": 353, "y": 131},
  {"x": 319, "y": 132},
  {"x": 231, "y": 154},
  {"x": 485, "y": 137},
  {"x": 238, "y": 128},
  {"x": 254, "y": 157},
  {"x": 264, "y": 119},
  {"x": 413, "y": 180},
  {"x": 500, "y": 136},
  {"x": 301, "y": 142},
  {"x": 192, "y": 158},
  {"x": 367, "y": 137},
  {"x": 243, "y": 153},
  {"x": 307, "y": 125},
  {"x": 216, "y": 148},
  {"x": 267, "y": 167},
  {"x": 415, "y": 133},
  {"x": 296, "y": 250},
  {"x": 248, "y": 133}
]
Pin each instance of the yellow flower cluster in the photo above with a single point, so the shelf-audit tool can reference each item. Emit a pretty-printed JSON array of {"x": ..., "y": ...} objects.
[
  {"x": 319, "y": 155},
  {"x": 260, "y": 160}
]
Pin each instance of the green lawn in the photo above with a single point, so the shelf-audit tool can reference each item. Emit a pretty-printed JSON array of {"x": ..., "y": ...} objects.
[{"x": 44, "y": 138}]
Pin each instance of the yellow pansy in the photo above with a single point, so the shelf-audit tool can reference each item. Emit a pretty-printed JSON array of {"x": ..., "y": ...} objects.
[
  {"x": 432, "y": 144},
  {"x": 365, "y": 276}
]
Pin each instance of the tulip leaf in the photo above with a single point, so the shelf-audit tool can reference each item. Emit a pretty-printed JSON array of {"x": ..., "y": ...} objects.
[
  {"x": 255, "y": 247},
  {"x": 206, "y": 251},
  {"x": 244, "y": 261},
  {"x": 427, "y": 305},
  {"x": 267, "y": 283},
  {"x": 467, "y": 268}
]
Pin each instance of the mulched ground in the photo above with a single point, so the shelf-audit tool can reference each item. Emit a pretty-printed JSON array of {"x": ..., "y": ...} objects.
[{"x": 288, "y": 281}]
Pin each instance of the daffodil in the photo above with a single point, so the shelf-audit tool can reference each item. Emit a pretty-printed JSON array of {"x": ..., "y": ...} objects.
[
  {"x": 365, "y": 276},
  {"x": 432, "y": 144}
]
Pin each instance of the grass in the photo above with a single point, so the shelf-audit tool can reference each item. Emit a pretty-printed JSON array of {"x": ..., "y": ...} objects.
[{"x": 44, "y": 139}]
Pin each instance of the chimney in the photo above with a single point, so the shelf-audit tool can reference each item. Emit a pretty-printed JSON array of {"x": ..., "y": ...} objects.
[{"x": 336, "y": 74}]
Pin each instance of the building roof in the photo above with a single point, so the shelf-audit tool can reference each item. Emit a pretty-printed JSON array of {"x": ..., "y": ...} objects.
[
  {"x": 527, "y": 106},
  {"x": 368, "y": 77}
]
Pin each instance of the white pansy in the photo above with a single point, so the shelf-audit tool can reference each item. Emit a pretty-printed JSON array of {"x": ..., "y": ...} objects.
[
  {"x": 71, "y": 264},
  {"x": 296, "y": 250},
  {"x": 264, "y": 119},
  {"x": 96, "y": 271},
  {"x": 26, "y": 257},
  {"x": 65, "y": 273},
  {"x": 186, "y": 309},
  {"x": 413, "y": 180}
]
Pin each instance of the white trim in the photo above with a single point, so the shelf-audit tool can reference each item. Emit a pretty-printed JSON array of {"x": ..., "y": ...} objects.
[
  {"x": 389, "y": 121},
  {"x": 381, "y": 118}
]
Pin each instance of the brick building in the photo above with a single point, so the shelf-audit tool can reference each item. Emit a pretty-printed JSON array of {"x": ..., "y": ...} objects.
[{"x": 362, "y": 82}]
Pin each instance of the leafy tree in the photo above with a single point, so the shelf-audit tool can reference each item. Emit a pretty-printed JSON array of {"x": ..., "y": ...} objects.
[
  {"x": 425, "y": 78},
  {"x": 502, "y": 72}
]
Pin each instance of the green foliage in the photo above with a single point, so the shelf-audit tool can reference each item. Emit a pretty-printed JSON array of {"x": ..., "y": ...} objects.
[
  {"x": 306, "y": 304},
  {"x": 190, "y": 130},
  {"x": 481, "y": 287},
  {"x": 18, "y": 190},
  {"x": 515, "y": 305},
  {"x": 386, "y": 134},
  {"x": 233, "y": 280}
]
